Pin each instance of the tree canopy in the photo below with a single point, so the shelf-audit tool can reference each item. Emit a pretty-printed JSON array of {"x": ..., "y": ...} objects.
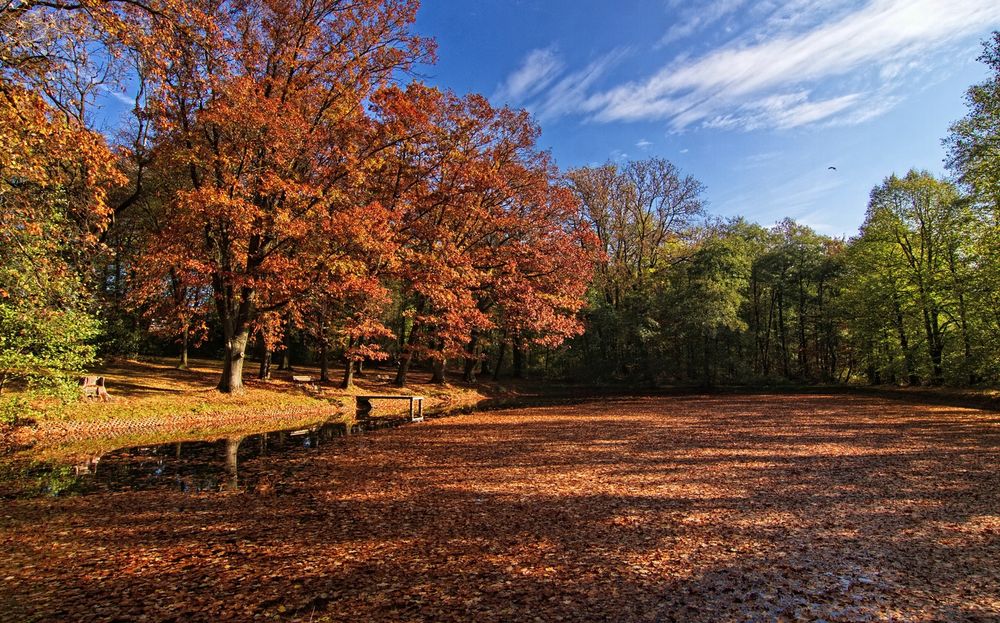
[{"x": 284, "y": 182}]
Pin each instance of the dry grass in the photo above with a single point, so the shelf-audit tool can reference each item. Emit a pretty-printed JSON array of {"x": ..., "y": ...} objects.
[{"x": 759, "y": 508}]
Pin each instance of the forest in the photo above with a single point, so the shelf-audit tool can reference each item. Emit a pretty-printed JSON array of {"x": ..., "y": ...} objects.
[{"x": 286, "y": 189}]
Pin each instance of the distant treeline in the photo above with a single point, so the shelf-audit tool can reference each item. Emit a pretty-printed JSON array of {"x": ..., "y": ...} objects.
[{"x": 913, "y": 298}]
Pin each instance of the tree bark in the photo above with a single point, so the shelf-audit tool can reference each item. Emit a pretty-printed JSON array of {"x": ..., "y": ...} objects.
[
  {"x": 183, "y": 365},
  {"x": 520, "y": 355},
  {"x": 231, "y": 381},
  {"x": 232, "y": 452},
  {"x": 803, "y": 344},
  {"x": 324, "y": 364},
  {"x": 438, "y": 366},
  {"x": 324, "y": 356},
  {"x": 406, "y": 357},
  {"x": 286, "y": 354},
  {"x": 348, "y": 379},
  {"x": 471, "y": 358},
  {"x": 783, "y": 334},
  {"x": 904, "y": 342},
  {"x": 500, "y": 356},
  {"x": 265, "y": 365}
]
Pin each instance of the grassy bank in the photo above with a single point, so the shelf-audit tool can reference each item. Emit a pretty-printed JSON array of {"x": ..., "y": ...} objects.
[{"x": 153, "y": 402}]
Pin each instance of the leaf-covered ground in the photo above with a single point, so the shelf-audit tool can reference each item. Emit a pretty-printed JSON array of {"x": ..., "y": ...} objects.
[{"x": 747, "y": 508}]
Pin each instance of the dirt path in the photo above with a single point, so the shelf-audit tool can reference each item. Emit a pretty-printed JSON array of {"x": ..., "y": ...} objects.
[{"x": 756, "y": 508}]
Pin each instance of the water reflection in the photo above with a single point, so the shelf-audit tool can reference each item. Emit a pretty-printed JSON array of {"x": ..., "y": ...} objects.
[{"x": 213, "y": 465}]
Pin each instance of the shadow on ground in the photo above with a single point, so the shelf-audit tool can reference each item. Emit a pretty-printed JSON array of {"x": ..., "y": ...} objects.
[{"x": 687, "y": 508}]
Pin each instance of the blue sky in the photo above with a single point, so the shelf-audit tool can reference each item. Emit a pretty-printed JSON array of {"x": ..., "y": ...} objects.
[{"x": 755, "y": 99}]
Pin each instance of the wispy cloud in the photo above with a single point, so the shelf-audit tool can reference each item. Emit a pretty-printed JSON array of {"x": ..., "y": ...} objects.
[
  {"x": 796, "y": 197},
  {"x": 121, "y": 97},
  {"x": 759, "y": 160},
  {"x": 782, "y": 111},
  {"x": 807, "y": 62},
  {"x": 568, "y": 94},
  {"x": 643, "y": 144},
  {"x": 538, "y": 69},
  {"x": 695, "y": 18}
]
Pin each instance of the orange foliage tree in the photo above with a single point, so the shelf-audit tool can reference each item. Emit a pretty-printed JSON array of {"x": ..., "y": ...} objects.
[
  {"x": 261, "y": 104},
  {"x": 479, "y": 215}
]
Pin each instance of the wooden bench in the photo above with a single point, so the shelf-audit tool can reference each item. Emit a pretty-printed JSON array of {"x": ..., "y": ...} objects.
[
  {"x": 416, "y": 405},
  {"x": 93, "y": 387}
]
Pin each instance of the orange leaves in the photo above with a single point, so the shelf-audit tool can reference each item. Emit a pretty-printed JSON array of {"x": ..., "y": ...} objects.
[
  {"x": 478, "y": 204},
  {"x": 686, "y": 508},
  {"x": 258, "y": 110}
]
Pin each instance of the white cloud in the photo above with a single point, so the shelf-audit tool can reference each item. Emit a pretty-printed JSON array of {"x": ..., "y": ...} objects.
[
  {"x": 696, "y": 18},
  {"x": 568, "y": 94},
  {"x": 123, "y": 98},
  {"x": 783, "y": 111},
  {"x": 643, "y": 144},
  {"x": 538, "y": 69},
  {"x": 759, "y": 160},
  {"x": 788, "y": 73},
  {"x": 796, "y": 197}
]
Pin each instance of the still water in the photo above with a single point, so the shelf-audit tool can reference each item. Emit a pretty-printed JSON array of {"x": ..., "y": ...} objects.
[{"x": 214, "y": 464}]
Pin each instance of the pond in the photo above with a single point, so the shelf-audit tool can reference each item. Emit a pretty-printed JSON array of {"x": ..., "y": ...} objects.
[{"x": 211, "y": 464}]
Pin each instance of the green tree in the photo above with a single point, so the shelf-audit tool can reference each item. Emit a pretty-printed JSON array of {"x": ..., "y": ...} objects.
[
  {"x": 919, "y": 218},
  {"x": 974, "y": 141}
]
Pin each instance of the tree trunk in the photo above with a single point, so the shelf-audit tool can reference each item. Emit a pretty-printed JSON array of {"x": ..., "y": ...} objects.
[
  {"x": 706, "y": 363},
  {"x": 971, "y": 375},
  {"x": 403, "y": 370},
  {"x": 904, "y": 342},
  {"x": 935, "y": 347},
  {"x": 232, "y": 452},
  {"x": 286, "y": 354},
  {"x": 265, "y": 365},
  {"x": 406, "y": 358},
  {"x": 471, "y": 358},
  {"x": 520, "y": 355},
  {"x": 348, "y": 379},
  {"x": 231, "y": 381},
  {"x": 804, "y": 370},
  {"x": 183, "y": 365},
  {"x": 324, "y": 358},
  {"x": 500, "y": 356},
  {"x": 438, "y": 367},
  {"x": 324, "y": 364},
  {"x": 783, "y": 335}
]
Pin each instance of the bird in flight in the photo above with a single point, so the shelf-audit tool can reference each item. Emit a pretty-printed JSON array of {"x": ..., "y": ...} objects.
[{"x": 832, "y": 168}]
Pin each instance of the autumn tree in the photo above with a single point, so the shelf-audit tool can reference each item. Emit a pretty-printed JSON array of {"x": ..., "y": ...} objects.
[
  {"x": 483, "y": 227},
  {"x": 261, "y": 105},
  {"x": 55, "y": 173}
]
